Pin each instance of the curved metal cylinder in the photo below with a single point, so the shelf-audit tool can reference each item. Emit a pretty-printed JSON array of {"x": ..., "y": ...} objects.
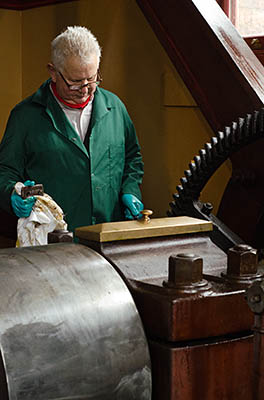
[{"x": 69, "y": 329}]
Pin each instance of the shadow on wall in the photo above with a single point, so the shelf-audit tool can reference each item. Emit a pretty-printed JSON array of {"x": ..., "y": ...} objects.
[{"x": 141, "y": 63}]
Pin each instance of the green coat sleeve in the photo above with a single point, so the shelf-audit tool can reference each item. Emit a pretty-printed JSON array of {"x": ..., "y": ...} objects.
[
  {"x": 133, "y": 169},
  {"x": 12, "y": 155}
]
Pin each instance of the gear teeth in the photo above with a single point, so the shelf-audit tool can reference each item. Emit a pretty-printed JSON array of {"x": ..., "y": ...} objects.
[
  {"x": 214, "y": 142},
  {"x": 188, "y": 175},
  {"x": 208, "y": 148},
  {"x": 220, "y": 139},
  {"x": 202, "y": 153},
  {"x": 190, "y": 182},
  {"x": 247, "y": 126},
  {"x": 197, "y": 161},
  {"x": 185, "y": 185},
  {"x": 228, "y": 138},
  {"x": 254, "y": 123},
  {"x": 193, "y": 170},
  {"x": 239, "y": 134},
  {"x": 180, "y": 191},
  {"x": 177, "y": 205},
  {"x": 233, "y": 133}
]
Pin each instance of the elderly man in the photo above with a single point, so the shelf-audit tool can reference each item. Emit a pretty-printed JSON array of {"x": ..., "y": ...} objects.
[{"x": 75, "y": 138}]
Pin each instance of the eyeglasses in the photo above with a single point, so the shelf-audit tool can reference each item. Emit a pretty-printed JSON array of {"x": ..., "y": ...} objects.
[{"x": 90, "y": 82}]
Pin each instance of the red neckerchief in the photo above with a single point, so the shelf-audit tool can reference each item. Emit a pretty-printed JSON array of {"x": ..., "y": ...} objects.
[{"x": 81, "y": 105}]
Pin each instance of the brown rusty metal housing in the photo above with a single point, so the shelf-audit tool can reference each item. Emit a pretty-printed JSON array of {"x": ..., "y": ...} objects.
[{"x": 197, "y": 322}]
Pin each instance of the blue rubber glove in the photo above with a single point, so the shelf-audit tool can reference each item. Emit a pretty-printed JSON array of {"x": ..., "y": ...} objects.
[
  {"x": 23, "y": 207},
  {"x": 133, "y": 206}
]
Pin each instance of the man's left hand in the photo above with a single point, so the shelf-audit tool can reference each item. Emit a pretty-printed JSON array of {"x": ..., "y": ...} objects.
[{"x": 133, "y": 206}]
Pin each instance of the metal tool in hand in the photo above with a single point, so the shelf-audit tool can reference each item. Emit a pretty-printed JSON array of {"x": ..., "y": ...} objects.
[{"x": 28, "y": 191}]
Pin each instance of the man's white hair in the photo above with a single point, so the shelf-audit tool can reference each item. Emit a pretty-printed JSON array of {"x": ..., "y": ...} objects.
[{"x": 74, "y": 41}]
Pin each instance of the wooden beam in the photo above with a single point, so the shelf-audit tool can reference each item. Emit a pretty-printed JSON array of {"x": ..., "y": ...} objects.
[
  {"x": 221, "y": 71},
  {"x": 26, "y": 4}
]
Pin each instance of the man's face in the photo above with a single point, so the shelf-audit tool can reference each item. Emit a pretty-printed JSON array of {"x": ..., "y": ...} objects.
[{"x": 74, "y": 73}]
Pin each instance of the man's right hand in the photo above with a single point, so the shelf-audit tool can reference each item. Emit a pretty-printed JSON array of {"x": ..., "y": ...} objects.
[{"x": 22, "y": 208}]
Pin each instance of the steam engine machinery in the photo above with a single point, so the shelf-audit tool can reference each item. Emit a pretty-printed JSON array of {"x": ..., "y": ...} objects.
[{"x": 144, "y": 309}]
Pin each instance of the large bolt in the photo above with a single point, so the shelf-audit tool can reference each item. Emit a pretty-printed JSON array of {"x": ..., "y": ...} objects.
[
  {"x": 185, "y": 269},
  {"x": 242, "y": 260},
  {"x": 207, "y": 208}
]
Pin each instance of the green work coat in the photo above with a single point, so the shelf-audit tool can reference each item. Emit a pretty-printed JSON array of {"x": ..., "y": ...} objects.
[{"x": 40, "y": 144}]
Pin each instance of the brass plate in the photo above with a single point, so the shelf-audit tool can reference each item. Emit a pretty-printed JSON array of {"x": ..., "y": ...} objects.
[{"x": 138, "y": 229}]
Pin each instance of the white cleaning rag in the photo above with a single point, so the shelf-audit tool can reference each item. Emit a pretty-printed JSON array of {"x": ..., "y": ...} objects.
[{"x": 45, "y": 217}]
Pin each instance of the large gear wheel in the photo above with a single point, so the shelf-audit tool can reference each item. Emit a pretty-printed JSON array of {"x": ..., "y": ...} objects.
[{"x": 186, "y": 202}]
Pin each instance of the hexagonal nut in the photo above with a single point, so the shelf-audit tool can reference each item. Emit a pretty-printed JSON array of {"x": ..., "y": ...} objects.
[
  {"x": 242, "y": 260},
  {"x": 60, "y": 235},
  {"x": 185, "y": 269}
]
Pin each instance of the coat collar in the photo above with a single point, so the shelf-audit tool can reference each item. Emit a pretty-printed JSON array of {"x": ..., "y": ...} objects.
[{"x": 102, "y": 104}]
